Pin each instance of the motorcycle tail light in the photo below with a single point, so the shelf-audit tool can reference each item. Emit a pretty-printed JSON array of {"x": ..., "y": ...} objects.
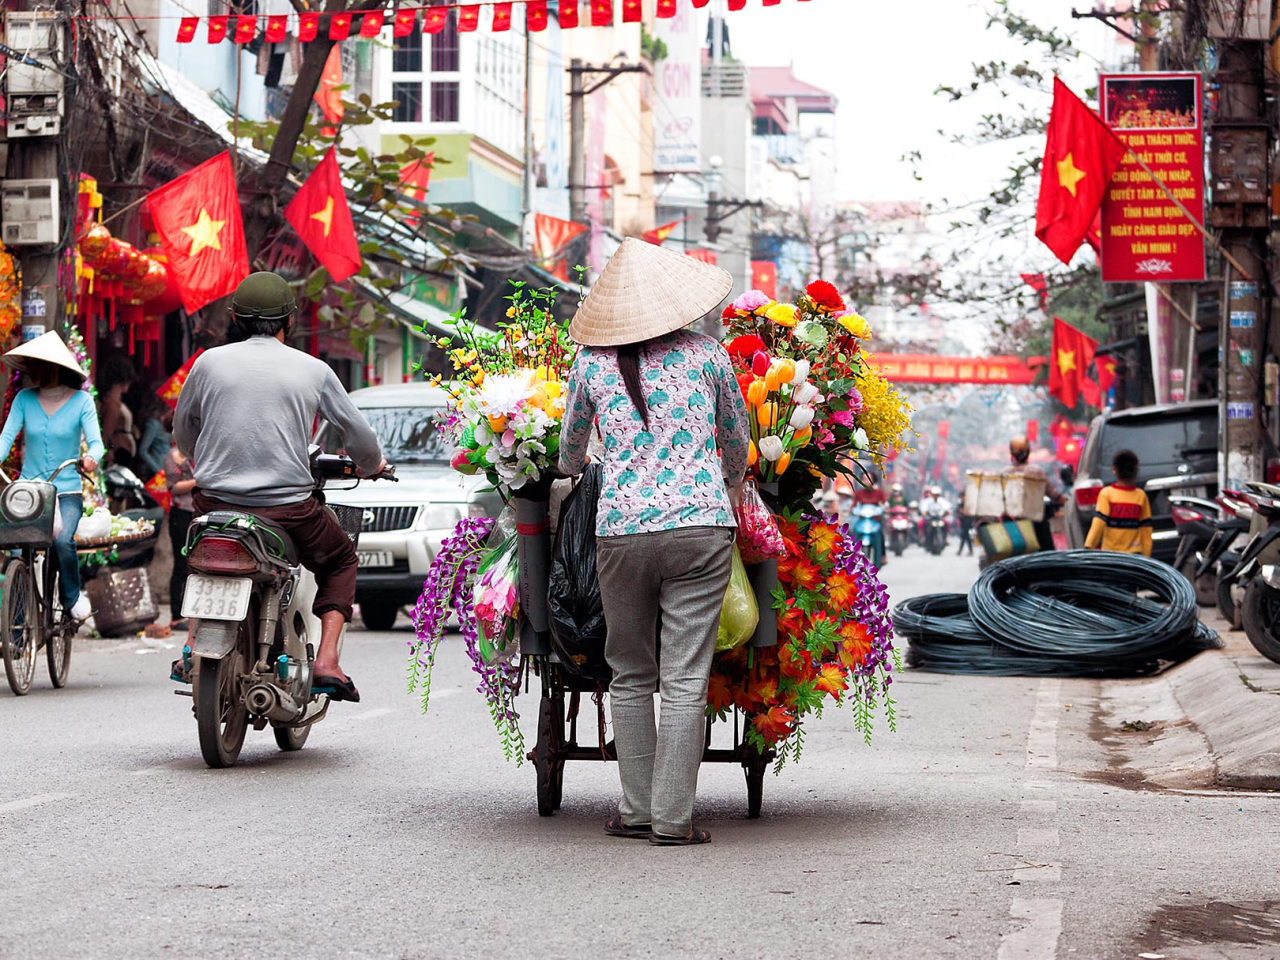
[
  {"x": 1086, "y": 492},
  {"x": 1273, "y": 471},
  {"x": 1183, "y": 515},
  {"x": 221, "y": 555}
]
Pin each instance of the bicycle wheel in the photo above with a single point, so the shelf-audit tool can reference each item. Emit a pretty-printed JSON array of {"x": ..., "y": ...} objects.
[
  {"x": 58, "y": 632},
  {"x": 19, "y": 627}
]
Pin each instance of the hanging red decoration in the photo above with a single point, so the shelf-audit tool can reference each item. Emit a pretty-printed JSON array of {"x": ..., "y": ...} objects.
[
  {"x": 246, "y": 28},
  {"x": 568, "y": 14},
  {"x": 372, "y": 23},
  {"x": 700, "y": 3},
  {"x": 218, "y": 28},
  {"x": 737, "y": 4},
  {"x": 308, "y": 26},
  {"x": 434, "y": 19},
  {"x": 630, "y": 11},
  {"x": 602, "y": 13},
  {"x": 469, "y": 18},
  {"x": 501, "y": 17},
  {"x": 187, "y": 29},
  {"x": 536, "y": 18},
  {"x": 666, "y": 8},
  {"x": 405, "y": 21},
  {"x": 340, "y": 26},
  {"x": 277, "y": 29}
]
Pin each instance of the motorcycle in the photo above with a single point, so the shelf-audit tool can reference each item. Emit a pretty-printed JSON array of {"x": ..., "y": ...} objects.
[
  {"x": 869, "y": 529},
  {"x": 935, "y": 535},
  {"x": 1218, "y": 559},
  {"x": 899, "y": 529},
  {"x": 1255, "y": 580},
  {"x": 1196, "y": 520},
  {"x": 253, "y": 635}
]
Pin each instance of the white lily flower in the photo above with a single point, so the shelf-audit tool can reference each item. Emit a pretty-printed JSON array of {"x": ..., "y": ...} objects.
[
  {"x": 802, "y": 417},
  {"x": 771, "y": 448}
]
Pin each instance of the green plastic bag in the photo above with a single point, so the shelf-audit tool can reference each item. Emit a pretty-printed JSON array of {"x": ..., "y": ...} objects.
[{"x": 739, "y": 615}]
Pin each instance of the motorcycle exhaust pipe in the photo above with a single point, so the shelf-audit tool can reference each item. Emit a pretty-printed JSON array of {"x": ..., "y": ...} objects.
[{"x": 264, "y": 700}]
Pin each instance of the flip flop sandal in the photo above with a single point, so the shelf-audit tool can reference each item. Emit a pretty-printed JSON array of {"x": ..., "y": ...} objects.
[
  {"x": 635, "y": 831},
  {"x": 696, "y": 837},
  {"x": 336, "y": 688}
]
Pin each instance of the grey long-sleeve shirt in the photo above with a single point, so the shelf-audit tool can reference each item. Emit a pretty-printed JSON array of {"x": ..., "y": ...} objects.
[{"x": 245, "y": 419}]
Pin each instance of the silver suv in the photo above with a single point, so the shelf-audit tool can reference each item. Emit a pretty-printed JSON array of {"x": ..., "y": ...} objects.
[{"x": 405, "y": 522}]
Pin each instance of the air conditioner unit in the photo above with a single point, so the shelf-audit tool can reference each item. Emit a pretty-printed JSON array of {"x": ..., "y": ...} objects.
[
  {"x": 31, "y": 212},
  {"x": 34, "y": 94}
]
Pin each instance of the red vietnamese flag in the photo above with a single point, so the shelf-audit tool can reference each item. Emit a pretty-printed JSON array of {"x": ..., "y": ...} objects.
[
  {"x": 434, "y": 19},
  {"x": 171, "y": 389},
  {"x": 1037, "y": 282},
  {"x": 659, "y": 234},
  {"x": 308, "y": 26},
  {"x": 1106, "y": 372},
  {"x": 217, "y": 28},
  {"x": 764, "y": 277},
  {"x": 630, "y": 11},
  {"x": 1068, "y": 360},
  {"x": 551, "y": 236},
  {"x": 666, "y": 8},
  {"x": 568, "y": 14},
  {"x": 602, "y": 13},
  {"x": 277, "y": 29},
  {"x": 535, "y": 12},
  {"x": 339, "y": 26},
  {"x": 327, "y": 96},
  {"x": 501, "y": 17},
  {"x": 198, "y": 219},
  {"x": 1081, "y": 154},
  {"x": 187, "y": 29},
  {"x": 372, "y": 24},
  {"x": 246, "y": 28},
  {"x": 469, "y": 18},
  {"x": 320, "y": 214},
  {"x": 772, "y": 3},
  {"x": 699, "y": 4},
  {"x": 737, "y": 4},
  {"x": 405, "y": 21}
]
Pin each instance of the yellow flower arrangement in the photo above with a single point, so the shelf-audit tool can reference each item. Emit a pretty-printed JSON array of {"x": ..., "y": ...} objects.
[
  {"x": 886, "y": 416},
  {"x": 783, "y": 314},
  {"x": 857, "y": 325}
]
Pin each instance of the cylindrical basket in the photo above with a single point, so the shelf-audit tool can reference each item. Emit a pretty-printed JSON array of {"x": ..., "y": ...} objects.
[{"x": 533, "y": 541}]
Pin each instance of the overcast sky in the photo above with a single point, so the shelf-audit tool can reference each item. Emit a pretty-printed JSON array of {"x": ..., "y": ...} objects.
[{"x": 884, "y": 61}]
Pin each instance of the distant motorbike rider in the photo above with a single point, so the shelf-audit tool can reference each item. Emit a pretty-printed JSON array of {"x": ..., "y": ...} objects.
[
  {"x": 245, "y": 419},
  {"x": 897, "y": 496},
  {"x": 1020, "y": 466}
]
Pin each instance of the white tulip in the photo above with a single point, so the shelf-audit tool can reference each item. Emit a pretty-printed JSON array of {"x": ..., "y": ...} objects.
[
  {"x": 860, "y": 440},
  {"x": 802, "y": 417},
  {"x": 802, "y": 372},
  {"x": 805, "y": 393},
  {"x": 771, "y": 448}
]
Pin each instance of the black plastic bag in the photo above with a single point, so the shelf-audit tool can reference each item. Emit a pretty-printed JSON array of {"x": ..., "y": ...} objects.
[{"x": 574, "y": 606}]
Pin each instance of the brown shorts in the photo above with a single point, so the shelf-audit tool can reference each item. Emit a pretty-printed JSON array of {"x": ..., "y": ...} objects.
[{"x": 323, "y": 546}]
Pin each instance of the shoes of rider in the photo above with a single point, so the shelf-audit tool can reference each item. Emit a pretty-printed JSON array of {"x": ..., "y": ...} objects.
[{"x": 81, "y": 610}]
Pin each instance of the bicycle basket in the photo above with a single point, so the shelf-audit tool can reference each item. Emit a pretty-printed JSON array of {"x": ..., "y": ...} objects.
[{"x": 350, "y": 519}]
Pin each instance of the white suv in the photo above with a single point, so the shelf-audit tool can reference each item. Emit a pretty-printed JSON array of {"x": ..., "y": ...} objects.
[{"x": 405, "y": 522}]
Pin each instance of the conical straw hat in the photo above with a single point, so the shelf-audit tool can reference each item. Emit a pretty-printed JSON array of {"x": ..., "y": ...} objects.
[
  {"x": 47, "y": 347},
  {"x": 644, "y": 292}
]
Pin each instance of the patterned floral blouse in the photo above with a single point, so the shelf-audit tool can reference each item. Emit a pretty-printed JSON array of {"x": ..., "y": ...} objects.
[{"x": 669, "y": 475}]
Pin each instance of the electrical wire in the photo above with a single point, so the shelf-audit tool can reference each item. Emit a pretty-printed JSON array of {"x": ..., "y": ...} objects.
[{"x": 1079, "y": 613}]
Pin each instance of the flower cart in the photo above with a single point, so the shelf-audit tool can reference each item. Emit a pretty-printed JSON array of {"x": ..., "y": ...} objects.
[{"x": 820, "y": 630}]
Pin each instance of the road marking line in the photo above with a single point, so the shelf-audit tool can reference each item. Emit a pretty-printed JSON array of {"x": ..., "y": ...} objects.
[
  {"x": 372, "y": 714},
  {"x": 1042, "y": 738},
  {"x": 1037, "y": 927},
  {"x": 1047, "y": 872},
  {"x": 1038, "y": 808},
  {"x": 36, "y": 801},
  {"x": 1037, "y": 837}
]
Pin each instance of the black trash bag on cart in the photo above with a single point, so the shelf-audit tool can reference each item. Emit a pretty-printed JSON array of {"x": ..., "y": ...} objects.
[{"x": 574, "y": 606}]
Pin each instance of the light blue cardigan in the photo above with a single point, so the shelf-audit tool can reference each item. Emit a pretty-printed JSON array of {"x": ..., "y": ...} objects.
[{"x": 49, "y": 441}]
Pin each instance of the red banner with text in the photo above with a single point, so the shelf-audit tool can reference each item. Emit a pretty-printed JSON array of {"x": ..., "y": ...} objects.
[
  {"x": 1145, "y": 236},
  {"x": 923, "y": 368}
]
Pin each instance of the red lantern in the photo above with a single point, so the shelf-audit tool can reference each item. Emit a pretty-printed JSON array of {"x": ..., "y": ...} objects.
[{"x": 169, "y": 299}]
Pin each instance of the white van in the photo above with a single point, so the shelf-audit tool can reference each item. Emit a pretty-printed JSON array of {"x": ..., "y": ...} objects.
[{"x": 405, "y": 522}]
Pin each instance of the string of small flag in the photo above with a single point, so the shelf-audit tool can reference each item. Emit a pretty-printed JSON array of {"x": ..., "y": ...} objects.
[{"x": 275, "y": 28}]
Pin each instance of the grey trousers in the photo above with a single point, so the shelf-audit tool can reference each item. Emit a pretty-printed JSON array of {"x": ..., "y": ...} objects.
[{"x": 684, "y": 573}]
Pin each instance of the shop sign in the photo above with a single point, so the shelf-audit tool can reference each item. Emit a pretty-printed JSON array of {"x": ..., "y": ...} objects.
[{"x": 1145, "y": 236}]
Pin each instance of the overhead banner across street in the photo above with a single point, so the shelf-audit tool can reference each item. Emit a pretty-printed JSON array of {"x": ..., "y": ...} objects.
[
  {"x": 1145, "y": 235},
  {"x": 923, "y": 368}
]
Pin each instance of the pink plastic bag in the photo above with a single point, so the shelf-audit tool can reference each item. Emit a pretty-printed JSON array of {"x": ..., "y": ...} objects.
[{"x": 759, "y": 538}]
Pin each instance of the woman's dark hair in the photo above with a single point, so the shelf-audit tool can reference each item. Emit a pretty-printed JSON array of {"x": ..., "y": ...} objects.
[
  {"x": 1125, "y": 466},
  {"x": 115, "y": 371},
  {"x": 629, "y": 367}
]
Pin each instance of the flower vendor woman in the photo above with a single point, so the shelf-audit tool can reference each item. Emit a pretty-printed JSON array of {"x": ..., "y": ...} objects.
[
  {"x": 665, "y": 399},
  {"x": 52, "y": 417}
]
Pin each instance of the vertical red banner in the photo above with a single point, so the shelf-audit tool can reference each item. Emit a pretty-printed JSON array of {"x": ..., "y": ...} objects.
[
  {"x": 501, "y": 17},
  {"x": 1145, "y": 236},
  {"x": 764, "y": 277}
]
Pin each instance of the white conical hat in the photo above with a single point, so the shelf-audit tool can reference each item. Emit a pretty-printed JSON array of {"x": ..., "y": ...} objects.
[
  {"x": 646, "y": 291},
  {"x": 49, "y": 348}
]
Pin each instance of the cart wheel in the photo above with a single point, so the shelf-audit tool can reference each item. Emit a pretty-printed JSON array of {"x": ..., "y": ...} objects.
[
  {"x": 754, "y": 764},
  {"x": 548, "y": 761}
]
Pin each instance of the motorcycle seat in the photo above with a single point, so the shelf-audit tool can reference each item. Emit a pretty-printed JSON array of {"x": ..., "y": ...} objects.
[{"x": 274, "y": 538}]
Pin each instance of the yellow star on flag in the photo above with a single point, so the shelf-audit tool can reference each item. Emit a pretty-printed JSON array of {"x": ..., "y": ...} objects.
[
  {"x": 204, "y": 233},
  {"x": 1066, "y": 361},
  {"x": 1069, "y": 174},
  {"x": 325, "y": 215}
]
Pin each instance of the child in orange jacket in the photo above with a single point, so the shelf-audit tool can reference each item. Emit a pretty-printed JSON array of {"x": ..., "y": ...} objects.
[{"x": 1122, "y": 521}]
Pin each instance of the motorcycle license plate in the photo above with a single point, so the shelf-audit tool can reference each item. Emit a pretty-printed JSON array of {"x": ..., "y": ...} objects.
[
  {"x": 374, "y": 558},
  {"x": 216, "y": 598}
]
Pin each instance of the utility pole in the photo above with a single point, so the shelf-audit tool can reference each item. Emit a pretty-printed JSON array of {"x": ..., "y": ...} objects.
[
  {"x": 526, "y": 218},
  {"x": 1239, "y": 174},
  {"x": 578, "y": 93}
]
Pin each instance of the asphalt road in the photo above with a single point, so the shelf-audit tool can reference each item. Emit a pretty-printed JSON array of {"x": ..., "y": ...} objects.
[{"x": 986, "y": 827}]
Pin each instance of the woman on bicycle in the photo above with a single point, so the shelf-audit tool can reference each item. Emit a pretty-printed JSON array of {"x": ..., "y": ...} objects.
[
  {"x": 53, "y": 417},
  {"x": 675, "y": 452}
]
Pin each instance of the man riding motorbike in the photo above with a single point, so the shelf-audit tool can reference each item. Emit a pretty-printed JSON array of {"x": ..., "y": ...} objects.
[
  {"x": 1020, "y": 466},
  {"x": 245, "y": 418}
]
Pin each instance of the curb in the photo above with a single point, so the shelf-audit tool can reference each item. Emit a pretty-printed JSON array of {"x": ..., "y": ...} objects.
[{"x": 1241, "y": 725}]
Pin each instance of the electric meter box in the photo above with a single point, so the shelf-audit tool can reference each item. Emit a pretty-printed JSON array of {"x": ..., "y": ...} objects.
[
  {"x": 34, "y": 95},
  {"x": 31, "y": 212}
]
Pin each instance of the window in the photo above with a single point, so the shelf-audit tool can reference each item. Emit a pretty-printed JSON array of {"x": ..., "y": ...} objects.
[
  {"x": 444, "y": 101},
  {"x": 408, "y": 97},
  {"x": 407, "y": 54},
  {"x": 444, "y": 47}
]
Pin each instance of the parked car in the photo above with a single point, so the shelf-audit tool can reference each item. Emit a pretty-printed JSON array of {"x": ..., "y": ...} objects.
[
  {"x": 1177, "y": 447},
  {"x": 405, "y": 522}
]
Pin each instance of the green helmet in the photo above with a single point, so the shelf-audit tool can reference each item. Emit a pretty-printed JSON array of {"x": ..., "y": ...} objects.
[{"x": 263, "y": 296}]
